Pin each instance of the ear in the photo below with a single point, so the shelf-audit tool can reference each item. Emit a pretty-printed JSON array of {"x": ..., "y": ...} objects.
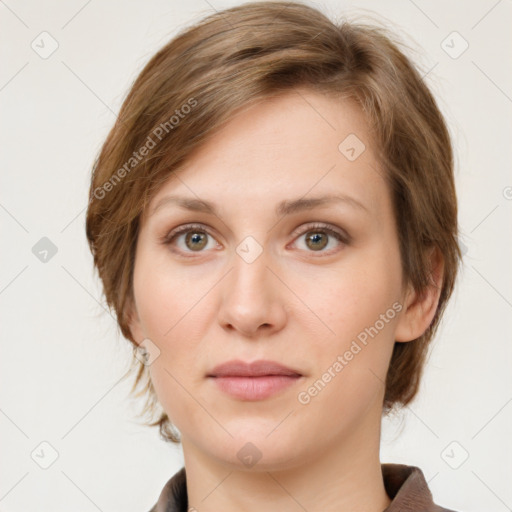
[
  {"x": 134, "y": 322},
  {"x": 419, "y": 309}
]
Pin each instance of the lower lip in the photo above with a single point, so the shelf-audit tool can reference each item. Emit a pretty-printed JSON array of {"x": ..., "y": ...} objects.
[{"x": 255, "y": 388}]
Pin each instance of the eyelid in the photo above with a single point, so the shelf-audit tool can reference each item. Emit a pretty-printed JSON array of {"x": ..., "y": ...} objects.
[
  {"x": 323, "y": 226},
  {"x": 187, "y": 227}
]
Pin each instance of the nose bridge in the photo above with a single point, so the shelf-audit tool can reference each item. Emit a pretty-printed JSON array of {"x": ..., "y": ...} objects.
[
  {"x": 250, "y": 294},
  {"x": 250, "y": 271}
]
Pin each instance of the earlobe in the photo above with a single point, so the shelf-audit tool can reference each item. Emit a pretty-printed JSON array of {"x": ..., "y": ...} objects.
[{"x": 420, "y": 308}]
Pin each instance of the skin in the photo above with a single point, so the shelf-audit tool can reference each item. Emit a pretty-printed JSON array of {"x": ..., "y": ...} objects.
[{"x": 297, "y": 303}]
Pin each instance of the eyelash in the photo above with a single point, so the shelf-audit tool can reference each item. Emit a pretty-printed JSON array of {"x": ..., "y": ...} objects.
[{"x": 325, "y": 228}]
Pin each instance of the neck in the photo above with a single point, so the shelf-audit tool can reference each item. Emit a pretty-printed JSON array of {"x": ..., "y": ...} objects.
[{"x": 344, "y": 477}]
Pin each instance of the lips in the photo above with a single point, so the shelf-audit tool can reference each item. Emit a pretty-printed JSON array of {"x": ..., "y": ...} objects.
[
  {"x": 237, "y": 368},
  {"x": 258, "y": 380}
]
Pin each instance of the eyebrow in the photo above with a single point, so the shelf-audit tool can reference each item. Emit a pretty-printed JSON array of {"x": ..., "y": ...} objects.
[{"x": 286, "y": 207}]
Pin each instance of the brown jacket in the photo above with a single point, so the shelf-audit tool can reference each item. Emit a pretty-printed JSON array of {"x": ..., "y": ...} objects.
[{"x": 405, "y": 485}]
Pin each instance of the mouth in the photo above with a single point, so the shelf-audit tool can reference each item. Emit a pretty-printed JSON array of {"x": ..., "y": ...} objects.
[{"x": 253, "y": 381}]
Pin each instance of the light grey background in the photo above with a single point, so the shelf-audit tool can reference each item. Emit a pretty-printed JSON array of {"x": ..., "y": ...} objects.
[{"x": 62, "y": 356}]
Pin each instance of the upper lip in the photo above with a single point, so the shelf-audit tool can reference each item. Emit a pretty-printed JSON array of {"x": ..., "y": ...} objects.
[{"x": 238, "y": 368}]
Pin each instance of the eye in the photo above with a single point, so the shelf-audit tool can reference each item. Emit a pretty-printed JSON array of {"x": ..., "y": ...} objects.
[
  {"x": 318, "y": 236},
  {"x": 196, "y": 238}
]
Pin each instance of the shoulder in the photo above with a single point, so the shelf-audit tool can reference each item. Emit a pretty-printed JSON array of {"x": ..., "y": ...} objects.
[
  {"x": 173, "y": 497},
  {"x": 408, "y": 489}
]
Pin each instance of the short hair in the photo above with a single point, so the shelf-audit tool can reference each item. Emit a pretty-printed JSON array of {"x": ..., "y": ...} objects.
[{"x": 244, "y": 54}]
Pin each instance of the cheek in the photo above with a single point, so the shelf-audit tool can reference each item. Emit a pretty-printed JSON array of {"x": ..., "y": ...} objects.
[
  {"x": 359, "y": 309},
  {"x": 173, "y": 317},
  {"x": 354, "y": 295},
  {"x": 166, "y": 294},
  {"x": 351, "y": 366}
]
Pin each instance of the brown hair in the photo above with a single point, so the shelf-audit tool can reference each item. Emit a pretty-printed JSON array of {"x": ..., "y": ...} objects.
[{"x": 245, "y": 54}]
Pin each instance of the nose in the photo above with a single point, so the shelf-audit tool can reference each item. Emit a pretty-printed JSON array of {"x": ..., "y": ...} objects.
[{"x": 253, "y": 298}]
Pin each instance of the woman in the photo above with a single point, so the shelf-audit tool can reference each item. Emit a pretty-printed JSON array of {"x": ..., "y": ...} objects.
[{"x": 274, "y": 220}]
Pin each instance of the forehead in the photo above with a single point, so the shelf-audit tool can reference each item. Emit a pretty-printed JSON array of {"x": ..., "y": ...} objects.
[{"x": 298, "y": 144}]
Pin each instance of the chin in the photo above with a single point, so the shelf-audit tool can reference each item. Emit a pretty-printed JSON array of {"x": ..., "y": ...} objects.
[{"x": 253, "y": 449}]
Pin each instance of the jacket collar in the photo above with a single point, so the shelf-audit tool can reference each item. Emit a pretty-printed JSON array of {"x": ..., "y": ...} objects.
[{"x": 405, "y": 485}]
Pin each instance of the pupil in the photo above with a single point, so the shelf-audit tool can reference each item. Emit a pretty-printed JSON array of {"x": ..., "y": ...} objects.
[
  {"x": 196, "y": 238},
  {"x": 317, "y": 238}
]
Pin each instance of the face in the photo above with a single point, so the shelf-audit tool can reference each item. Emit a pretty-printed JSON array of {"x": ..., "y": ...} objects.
[{"x": 314, "y": 286}]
